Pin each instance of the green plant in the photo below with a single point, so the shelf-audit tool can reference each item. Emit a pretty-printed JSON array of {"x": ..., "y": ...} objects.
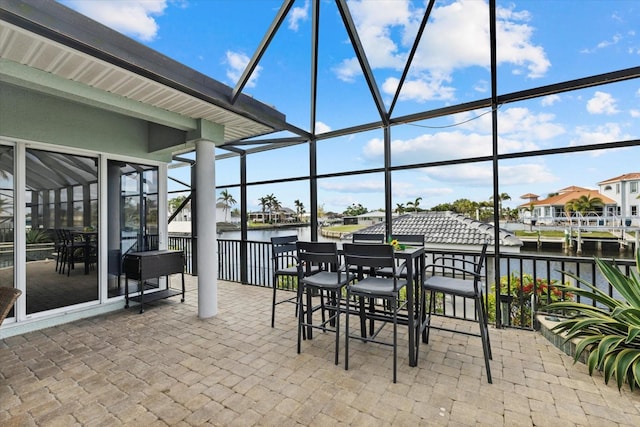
[
  {"x": 36, "y": 235},
  {"x": 519, "y": 292},
  {"x": 608, "y": 332}
]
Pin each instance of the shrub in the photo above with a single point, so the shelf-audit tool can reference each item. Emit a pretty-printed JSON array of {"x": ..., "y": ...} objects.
[
  {"x": 609, "y": 332},
  {"x": 520, "y": 292}
]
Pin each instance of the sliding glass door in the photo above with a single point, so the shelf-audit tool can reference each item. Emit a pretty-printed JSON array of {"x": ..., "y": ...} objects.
[
  {"x": 61, "y": 221},
  {"x": 7, "y": 223},
  {"x": 133, "y": 215}
]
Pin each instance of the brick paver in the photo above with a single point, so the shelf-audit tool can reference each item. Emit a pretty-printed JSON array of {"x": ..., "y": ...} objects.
[{"x": 167, "y": 367}]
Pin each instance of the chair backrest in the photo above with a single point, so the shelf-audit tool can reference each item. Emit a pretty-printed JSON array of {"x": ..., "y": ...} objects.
[
  {"x": 455, "y": 265},
  {"x": 367, "y": 238},
  {"x": 409, "y": 239},
  {"x": 369, "y": 255},
  {"x": 482, "y": 259},
  {"x": 283, "y": 251},
  {"x": 283, "y": 244},
  {"x": 322, "y": 254},
  {"x": 8, "y": 297}
]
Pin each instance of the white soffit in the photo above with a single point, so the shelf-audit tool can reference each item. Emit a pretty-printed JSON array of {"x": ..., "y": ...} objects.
[{"x": 23, "y": 47}]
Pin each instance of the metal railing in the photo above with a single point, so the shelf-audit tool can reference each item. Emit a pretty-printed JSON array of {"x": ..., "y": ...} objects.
[
  {"x": 185, "y": 244},
  {"x": 527, "y": 281}
]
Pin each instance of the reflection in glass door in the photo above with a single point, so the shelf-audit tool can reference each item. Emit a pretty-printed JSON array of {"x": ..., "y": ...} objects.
[
  {"x": 7, "y": 224},
  {"x": 61, "y": 214},
  {"x": 133, "y": 215}
]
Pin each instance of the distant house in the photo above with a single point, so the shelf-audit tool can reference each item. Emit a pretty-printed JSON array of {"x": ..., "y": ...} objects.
[
  {"x": 625, "y": 191},
  {"x": 551, "y": 210},
  {"x": 368, "y": 218},
  {"x": 280, "y": 216},
  {"x": 223, "y": 213}
]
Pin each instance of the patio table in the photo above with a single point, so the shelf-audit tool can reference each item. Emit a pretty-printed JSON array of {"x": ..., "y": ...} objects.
[
  {"x": 415, "y": 262},
  {"x": 414, "y": 258}
]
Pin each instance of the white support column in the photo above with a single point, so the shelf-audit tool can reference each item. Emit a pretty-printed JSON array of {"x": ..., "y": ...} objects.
[{"x": 207, "y": 237}]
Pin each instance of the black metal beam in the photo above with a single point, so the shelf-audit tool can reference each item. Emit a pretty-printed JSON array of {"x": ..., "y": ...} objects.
[
  {"x": 264, "y": 141},
  {"x": 361, "y": 55},
  {"x": 264, "y": 44},
  {"x": 177, "y": 211},
  {"x": 315, "y": 28},
  {"x": 494, "y": 149},
  {"x": 412, "y": 53},
  {"x": 583, "y": 83}
]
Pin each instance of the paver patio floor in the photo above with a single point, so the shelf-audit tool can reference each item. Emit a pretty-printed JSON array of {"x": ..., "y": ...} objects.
[{"x": 167, "y": 367}]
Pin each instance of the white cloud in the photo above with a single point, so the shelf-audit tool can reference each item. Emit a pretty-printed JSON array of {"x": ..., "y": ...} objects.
[
  {"x": 523, "y": 124},
  {"x": 386, "y": 29},
  {"x": 420, "y": 90},
  {"x": 322, "y": 127},
  {"x": 481, "y": 86},
  {"x": 400, "y": 190},
  {"x": 298, "y": 14},
  {"x": 376, "y": 20},
  {"x": 348, "y": 69},
  {"x": 608, "y": 132},
  {"x": 634, "y": 113},
  {"x": 520, "y": 130},
  {"x": 615, "y": 39},
  {"x": 549, "y": 100},
  {"x": 237, "y": 62},
  {"x": 134, "y": 18},
  {"x": 516, "y": 123},
  {"x": 481, "y": 176},
  {"x": 602, "y": 103},
  {"x": 431, "y": 147},
  {"x": 409, "y": 190},
  {"x": 354, "y": 187}
]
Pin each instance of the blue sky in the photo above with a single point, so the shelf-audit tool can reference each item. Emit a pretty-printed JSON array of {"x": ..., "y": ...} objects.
[{"x": 540, "y": 42}]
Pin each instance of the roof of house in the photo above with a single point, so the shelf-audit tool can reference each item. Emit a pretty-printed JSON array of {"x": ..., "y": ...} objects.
[
  {"x": 572, "y": 188},
  {"x": 374, "y": 214},
  {"x": 529, "y": 196},
  {"x": 445, "y": 228},
  {"x": 568, "y": 194},
  {"x": 624, "y": 177}
]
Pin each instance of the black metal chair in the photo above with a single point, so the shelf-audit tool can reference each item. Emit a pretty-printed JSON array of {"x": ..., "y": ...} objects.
[
  {"x": 366, "y": 257},
  {"x": 367, "y": 238},
  {"x": 328, "y": 284},
  {"x": 60, "y": 248},
  {"x": 285, "y": 272},
  {"x": 456, "y": 277}
]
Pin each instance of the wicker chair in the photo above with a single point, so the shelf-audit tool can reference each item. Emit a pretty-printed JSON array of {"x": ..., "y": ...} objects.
[{"x": 8, "y": 297}]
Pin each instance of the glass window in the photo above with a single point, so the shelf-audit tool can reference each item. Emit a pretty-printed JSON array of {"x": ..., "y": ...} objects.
[
  {"x": 634, "y": 210},
  {"x": 7, "y": 223},
  {"x": 62, "y": 249},
  {"x": 133, "y": 215},
  {"x": 633, "y": 186}
]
